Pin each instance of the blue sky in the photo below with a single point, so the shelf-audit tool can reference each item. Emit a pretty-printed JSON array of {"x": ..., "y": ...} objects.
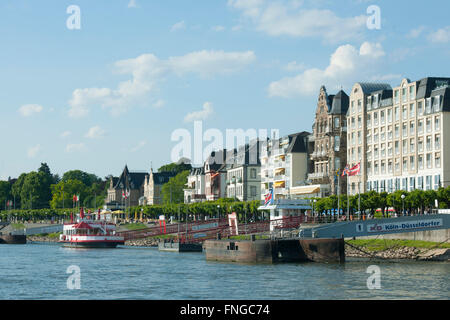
[{"x": 114, "y": 91}]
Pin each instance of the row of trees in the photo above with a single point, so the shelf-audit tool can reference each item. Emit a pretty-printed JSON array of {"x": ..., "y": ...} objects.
[
  {"x": 416, "y": 201},
  {"x": 41, "y": 189}
]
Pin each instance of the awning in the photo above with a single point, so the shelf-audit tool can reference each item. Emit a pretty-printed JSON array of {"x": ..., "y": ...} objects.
[
  {"x": 279, "y": 184},
  {"x": 305, "y": 190},
  {"x": 280, "y": 170}
]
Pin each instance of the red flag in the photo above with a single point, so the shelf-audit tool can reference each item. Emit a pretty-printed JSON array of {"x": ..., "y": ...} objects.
[{"x": 355, "y": 170}]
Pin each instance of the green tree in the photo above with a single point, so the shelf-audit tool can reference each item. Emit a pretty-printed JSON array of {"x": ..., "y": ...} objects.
[
  {"x": 5, "y": 193},
  {"x": 33, "y": 193},
  {"x": 173, "y": 191},
  {"x": 68, "y": 188},
  {"x": 87, "y": 179},
  {"x": 17, "y": 189},
  {"x": 175, "y": 167}
]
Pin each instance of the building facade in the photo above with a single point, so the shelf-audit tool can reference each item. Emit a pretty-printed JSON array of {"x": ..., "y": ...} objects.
[
  {"x": 215, "y": 175},
  {"x": 408, "y": 146},
  {"x": 195, "y": 188},
  {"x": 284, "y": 164},
  {"x": 243, "y": 173},
  {"x": 356, "y": 132},
  {"x": 153, "y": 184},
  {"x": 133, "y": 182},
  {"x": 328, "y": 142}
]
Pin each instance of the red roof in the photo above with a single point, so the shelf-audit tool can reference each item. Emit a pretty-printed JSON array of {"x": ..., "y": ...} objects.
[{"x": 82, "y": 225}]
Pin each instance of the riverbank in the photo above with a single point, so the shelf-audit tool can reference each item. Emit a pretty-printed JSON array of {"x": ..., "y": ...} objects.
[{"x": 398, "y": 249}]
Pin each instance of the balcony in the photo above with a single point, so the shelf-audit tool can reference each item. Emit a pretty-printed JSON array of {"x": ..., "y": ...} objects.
[{"x": 317, "y": 175}]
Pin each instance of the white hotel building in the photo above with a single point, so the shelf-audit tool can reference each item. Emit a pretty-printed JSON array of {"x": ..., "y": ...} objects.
[{"x": 406, "y": 144}]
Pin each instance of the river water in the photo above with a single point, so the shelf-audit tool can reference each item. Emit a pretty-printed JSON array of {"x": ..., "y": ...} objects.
[{"x": 39, "y": 271}]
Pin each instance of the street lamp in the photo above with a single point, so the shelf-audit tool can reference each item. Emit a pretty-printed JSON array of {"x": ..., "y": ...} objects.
[
  {"x": 218, "y": 212},
  {"x": 314, "y": 207},
  {"x": 403, "y": 203}
]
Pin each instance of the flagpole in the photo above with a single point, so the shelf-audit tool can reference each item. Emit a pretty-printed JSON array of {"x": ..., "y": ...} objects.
[{"x": 339, "y": 192}]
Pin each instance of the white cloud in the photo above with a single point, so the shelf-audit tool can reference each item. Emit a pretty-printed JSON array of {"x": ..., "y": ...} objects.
[
  {"x": 218, "y": 28},
  {"x": 290, "y": 19},
  {"x": 347, "y": 65},
  {"x": 95, "y": 133},
  {"x": 416, "y": 32},
  {"x": 147, "y": 71},
  {"x": 139, "y": 146},
  {"x": 207, "y": 63},
  {"x": 33, "y": 151},
  {"x": 440, "y": 36},
  {"x": 159, "y": 104},
  {"x": 200, "y": 115},
  {"x": 30, "y": 109},
  {"x": 65, "y": 134},
  {"x": 178, "y": 26},
  {"x": 76, "y": 147},
  {"x": 295, "y": 66},
  {"x": 132, "y": 4}
]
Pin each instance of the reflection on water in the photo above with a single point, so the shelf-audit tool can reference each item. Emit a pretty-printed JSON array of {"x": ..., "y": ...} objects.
[{"x": 38, "y": 271}]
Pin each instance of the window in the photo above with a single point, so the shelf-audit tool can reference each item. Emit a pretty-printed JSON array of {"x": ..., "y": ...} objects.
[
  {"x": 359, "y": 105},
  {"x": 436, "y": 103},
  {"x": 429, "y": 146},
  {"x": 428, "y": 125},
  {"x": 420, "y": 145},
  {"x": 412, "y": 93},
  {"x": 383, "y": 150},
  {"x": 405, "y": 146},
  {"x": 411, "y": 163},
  {"x": 396, "y": 97},
  {"x": 337, "y": 143},
  {"x": 359, "y": 153},
  {"x": 437, "y": 181},
  {"x": 359, "y": 122},
  {"x": 397, "y": 131},
  {"x": 412, "y": 183},
  {"x": 389, "y": 115},
  {"x": 336, "y": 122},
  {"x": 253, "y": 173},
  {"x": 420, "y": 108},
  {"x": 369, "y": 122},
  {"x": 383, "y": 135},
  {"x": 390, "y": 133},
  {"x": 429, "y": 181},
  {"x": 420, "y": 183},
  {"x": 375, "y": 136},
  {"x": 405, "y": 113},
  {"x": 411, "y": 110},
  {"x": 375, "y": 168},
  {"x": 437, "y": 160},
  {"x": 353, "y": 106},
  {"x": 390, "y": 166},
  {"x": 405, "y": 184},
  {"x": 429, "y": 165},
  {"x": 375, "y": 118},
  {"x": 428, "y": 105},
  {"x": 411, "y": 146},
  {"x": 253, "y": 191},
  {"x": 411, "y": 128},
  {"x": 397, "y": 113},
  {"x": 420, "y": 160},
  {"x": 404, "y": 129},
  {"x": 359, "y": 137},
  {"x": 405, "y": 164},
  {"x": 383, "y": 167},
  {"x": 404, "y": 97},
  {"x": 390, "y": 149},
  {"x": 353, "y": 123},
  {"x": 437, "y": 126},
  {"x": 420, "y": 127},
  {"x": 437, "y": 142}
]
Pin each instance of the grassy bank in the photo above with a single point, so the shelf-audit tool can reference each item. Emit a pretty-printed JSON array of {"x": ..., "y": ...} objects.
[{"x": 375, "y": 245}]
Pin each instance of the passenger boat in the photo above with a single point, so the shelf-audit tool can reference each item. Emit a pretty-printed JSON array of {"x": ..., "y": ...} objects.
[{"x": 90, "y": 233}]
